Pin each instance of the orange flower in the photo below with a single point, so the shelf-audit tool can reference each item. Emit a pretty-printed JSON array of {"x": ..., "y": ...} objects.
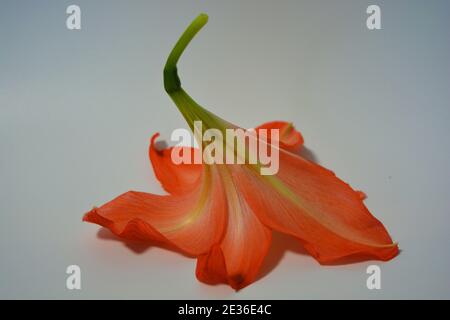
[{"x": 224, "y": 214}]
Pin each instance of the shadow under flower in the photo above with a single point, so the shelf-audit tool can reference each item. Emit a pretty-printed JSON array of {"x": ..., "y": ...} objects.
[
  {"x": 138, "y": 247},
  {"x": 281, "y": 244},
  {"x": 308, "y": 154}
]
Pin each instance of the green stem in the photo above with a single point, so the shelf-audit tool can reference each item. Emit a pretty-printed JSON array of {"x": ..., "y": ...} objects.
[
  {"x": 172, "y": 82},
  {"x": 190, "y": 109}
]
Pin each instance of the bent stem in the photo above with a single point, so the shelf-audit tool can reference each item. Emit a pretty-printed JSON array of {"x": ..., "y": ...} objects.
[
  {"x": 171, "y": 80},
  {"x": 190, "y": 109}
]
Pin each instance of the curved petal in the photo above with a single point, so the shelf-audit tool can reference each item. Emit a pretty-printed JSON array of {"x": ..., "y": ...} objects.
[
  {"x": 309, "y": 202},
  {"x": 174, "y": 178},
  {"x": 290, "y": 139},
  {"x": 238, "y": 258},
  {"x": 192, "y": 222}
]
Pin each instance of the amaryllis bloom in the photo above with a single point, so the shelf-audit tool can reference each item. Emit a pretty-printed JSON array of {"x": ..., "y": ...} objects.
[{"x": 224, "y": 214}]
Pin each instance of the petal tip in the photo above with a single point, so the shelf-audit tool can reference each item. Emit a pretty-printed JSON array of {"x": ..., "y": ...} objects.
[
  {"x": 153, "y": 138},
  {"x": 94, "y": 217},
  {"x": 87, "y": 217}
]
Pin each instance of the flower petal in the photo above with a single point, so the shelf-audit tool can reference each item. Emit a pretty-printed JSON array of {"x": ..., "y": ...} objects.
[
  {"x": 290, "y": 139},
  {"x": 238, "y": 258},
  {"x": 174, "y": 178},
  {"x": 309, "y": 202},
  {"x": 192, "y": 222}
]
